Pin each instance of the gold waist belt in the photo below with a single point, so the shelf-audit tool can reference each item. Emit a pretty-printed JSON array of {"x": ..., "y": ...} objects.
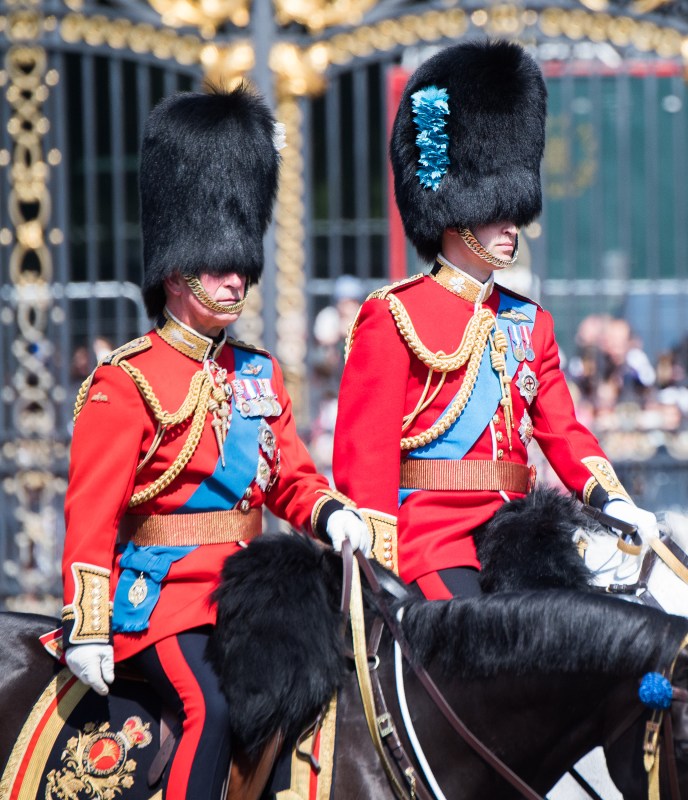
[
  {"x": 188, "y": 530},
  {"x": 466, "y": 475}
]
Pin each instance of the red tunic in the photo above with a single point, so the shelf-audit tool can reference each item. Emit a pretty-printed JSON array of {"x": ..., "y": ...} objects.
[
  {"x": 113, "y": 433},
  {"x": 382, "y": 382}
]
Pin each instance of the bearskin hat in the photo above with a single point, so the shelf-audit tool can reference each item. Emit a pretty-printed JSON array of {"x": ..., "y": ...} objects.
[
  {"x": 468, "y": 140},
  {"x": 208, "y": 180}
]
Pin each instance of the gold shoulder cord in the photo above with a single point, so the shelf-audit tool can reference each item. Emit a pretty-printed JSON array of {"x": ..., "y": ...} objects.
[{"x": 195, "y": 403}]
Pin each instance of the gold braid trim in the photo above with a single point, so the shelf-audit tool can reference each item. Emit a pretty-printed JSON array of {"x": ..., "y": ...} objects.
[
  {"x": 192, "y": 440},
  {"x": 475, "y": 336}
]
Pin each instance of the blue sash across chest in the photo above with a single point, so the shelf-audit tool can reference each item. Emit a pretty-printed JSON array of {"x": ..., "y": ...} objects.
[
  {"x": 220, "y": 491},
  {"x": 458, "y": 439}
]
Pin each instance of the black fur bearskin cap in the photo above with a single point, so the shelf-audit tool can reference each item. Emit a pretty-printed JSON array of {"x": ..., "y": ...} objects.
[
  {"x": 208, "y": 180},
  {"x": 494, "y": 133}
]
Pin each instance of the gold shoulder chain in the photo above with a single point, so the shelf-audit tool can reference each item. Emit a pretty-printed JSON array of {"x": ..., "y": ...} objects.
[{"x": 475, "y": 335}]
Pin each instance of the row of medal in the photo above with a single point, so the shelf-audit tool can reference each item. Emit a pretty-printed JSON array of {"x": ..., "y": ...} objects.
[
  {"x": 256, "y": 398},
  {"x": 521, "y": 343}
]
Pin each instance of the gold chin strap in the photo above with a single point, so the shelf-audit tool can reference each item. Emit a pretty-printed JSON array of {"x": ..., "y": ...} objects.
[
  {"x": 474, "y": 246},
  {"x": 203, "y": 297}
]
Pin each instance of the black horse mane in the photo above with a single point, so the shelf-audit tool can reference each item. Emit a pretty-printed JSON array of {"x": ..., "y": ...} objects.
[
  {"x": 543, "y": 632},
  {"x": 278, "y": 650}
]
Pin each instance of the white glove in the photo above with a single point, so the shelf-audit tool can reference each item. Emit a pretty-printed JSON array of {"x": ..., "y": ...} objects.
[
  {"x": 93, "y": 664},
  {"x": 645, "y": 521},
  {"x": 347, "y": 524}
]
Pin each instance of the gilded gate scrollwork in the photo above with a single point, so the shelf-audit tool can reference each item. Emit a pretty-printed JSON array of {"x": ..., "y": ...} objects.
[{"x": 312, "y": 40}]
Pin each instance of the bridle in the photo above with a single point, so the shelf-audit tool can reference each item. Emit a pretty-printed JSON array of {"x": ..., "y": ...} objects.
[
  {"x": 404, "y": 779},
  {"x": 380, "y": 723}
]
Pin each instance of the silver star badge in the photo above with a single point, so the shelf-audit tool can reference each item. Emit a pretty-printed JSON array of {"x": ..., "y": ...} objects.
[
  {"x": 525, "y": 429},
  {"x": 527, "y": 383}
]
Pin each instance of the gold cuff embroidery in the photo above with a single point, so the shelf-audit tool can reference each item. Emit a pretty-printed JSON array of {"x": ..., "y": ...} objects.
[
  {"x": 328, "y": 494},
  {"x": 383, "y": 535},
  {"x": 604, "y": 475},
  {"x": 91, "y": 605}
]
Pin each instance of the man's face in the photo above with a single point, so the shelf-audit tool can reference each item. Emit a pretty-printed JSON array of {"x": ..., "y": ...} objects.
[
  {"x": 224, "y": 289},
  {"x": 498, "y": 238}
]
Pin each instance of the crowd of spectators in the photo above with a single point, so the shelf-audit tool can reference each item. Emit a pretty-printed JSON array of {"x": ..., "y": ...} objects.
[{"x": 633, "y": 405}]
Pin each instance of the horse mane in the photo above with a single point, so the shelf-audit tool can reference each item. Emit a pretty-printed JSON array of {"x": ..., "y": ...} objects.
[
  {"x": 280, "y": 657},
  {"x": 552, "y": 631}
]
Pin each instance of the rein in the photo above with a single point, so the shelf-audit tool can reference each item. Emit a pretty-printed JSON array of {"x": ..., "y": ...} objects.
[
  {"x": 375, "y": 723},
  {"x": 381, "y": 726}
]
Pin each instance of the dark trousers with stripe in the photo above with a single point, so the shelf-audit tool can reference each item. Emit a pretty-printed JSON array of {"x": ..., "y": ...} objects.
[
  {"x": 447, "y": 583},
  {"x": 178, "y": 671}
]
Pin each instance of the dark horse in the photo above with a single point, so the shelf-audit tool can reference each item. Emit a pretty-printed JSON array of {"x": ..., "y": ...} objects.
[{"x": 540, "y": 677}]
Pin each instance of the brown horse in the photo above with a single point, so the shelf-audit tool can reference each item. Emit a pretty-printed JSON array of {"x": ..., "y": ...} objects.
[{"x": 540, "y": 677}]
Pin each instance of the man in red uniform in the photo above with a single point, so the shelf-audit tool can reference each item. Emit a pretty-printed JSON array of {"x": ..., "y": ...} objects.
[
  {"x": 182, "y": 435},
  {"x": 448, "y": 376}
]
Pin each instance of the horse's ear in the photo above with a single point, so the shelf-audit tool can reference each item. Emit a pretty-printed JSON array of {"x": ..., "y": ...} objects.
[{"x": 528, "y": 544}]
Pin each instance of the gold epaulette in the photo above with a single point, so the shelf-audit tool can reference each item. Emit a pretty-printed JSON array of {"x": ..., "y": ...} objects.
[
  {"x": 252, "y": 348},
  {"x": 378, "y": 294},
  {"x": 381, "y": 294},
  {"x": 132, "y": 348}
]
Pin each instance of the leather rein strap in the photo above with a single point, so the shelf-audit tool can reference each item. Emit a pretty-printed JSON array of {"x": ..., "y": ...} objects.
[{"x": 362, "y": 668}]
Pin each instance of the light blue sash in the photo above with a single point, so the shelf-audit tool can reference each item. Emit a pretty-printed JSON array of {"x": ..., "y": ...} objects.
[
  {"x": 226, "y": 486},
  {"x": 458, "y": 439}
]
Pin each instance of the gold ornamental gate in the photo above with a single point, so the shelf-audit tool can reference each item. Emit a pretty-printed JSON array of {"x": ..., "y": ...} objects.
[{"x": 78, "y": 79}]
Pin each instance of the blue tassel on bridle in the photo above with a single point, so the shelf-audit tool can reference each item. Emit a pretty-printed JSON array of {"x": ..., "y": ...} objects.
[{"x": 655, "y": 691}]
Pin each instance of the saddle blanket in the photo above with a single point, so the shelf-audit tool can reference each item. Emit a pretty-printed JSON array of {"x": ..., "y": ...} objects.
[{"x": 75, "y": 743}]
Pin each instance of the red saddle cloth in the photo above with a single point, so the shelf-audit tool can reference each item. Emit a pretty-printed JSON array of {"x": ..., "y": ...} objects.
[{"x": 77, "y": 743}]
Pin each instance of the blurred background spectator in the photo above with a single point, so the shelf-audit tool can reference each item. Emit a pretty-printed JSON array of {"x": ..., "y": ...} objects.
[{"x": 330, "y": 329}]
